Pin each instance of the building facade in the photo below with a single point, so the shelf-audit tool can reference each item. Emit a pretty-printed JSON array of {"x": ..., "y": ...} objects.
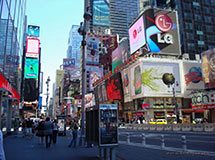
[{"x": 12, "y": 26}]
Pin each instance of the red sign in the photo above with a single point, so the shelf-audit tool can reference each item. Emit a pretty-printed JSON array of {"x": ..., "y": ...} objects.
[{"x": 4, "y": 84}]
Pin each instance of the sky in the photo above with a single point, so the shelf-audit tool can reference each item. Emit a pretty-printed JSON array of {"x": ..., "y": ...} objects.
[{"x": 55, "y": 18}]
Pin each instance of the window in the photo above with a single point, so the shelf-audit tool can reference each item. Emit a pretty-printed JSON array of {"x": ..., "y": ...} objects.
[
  {"x": 199, "y": 32},
  {"x": 191, "y": 46},
  {"x": 209, "y": 28},
  {"x": 188, "y": 25},
  {"x": 201, "y": 42}
]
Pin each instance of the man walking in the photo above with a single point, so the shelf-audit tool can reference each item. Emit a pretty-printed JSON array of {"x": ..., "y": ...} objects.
[
  {"x": 74, "y": 127},
  {"x": 48, "y": 129}
]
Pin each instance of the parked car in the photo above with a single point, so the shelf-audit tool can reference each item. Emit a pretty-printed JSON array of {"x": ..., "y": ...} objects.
[{"x": 158, "y": 121}]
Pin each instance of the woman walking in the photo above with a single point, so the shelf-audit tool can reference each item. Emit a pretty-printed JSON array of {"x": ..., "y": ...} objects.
[{"x": 74, "y": 127}]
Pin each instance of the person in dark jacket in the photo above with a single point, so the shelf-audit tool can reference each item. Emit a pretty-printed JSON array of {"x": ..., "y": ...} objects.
[
  {"x": 55, "y": 131},
  {"x": 40, "y": 131},
  {"x": 74, "y": 127},
  {"x": 48, "y": 129}
]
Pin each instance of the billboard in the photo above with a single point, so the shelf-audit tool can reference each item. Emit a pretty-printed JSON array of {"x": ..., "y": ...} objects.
[
  {"x": 89, "y": 100},
  {"x": 101, "y": 12},
  {"x": 116, "y": 58},
  {"x": 32, "y": 47},
  {"x": 108, "y": 124},
  {"x": 30, "y": 90},
  {"x": 137, "y": 35},
  {"x": 126, "y": 80},
  {"x": 192, "y": 77},
  {"x": 68, "y": 63},
  {"x": 161, "y": 30},
  {"x": 59, "y": 77},
  {"x": 31, "y": 68},
  {"x": 33, "y": 31},
  {"x": 92, "y": 49},
  {"x": 208, "y": 68}
]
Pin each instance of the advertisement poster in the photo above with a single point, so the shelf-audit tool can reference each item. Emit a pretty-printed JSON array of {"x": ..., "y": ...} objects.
[
  {"x": 152, "y": 73},
  {"x": 108, "y": 124},
  {"x": 192, "y": 77},
  {"x": 137, "y": 35},
  {"x": 92, "y": 50},
  {"x": 208, "y": 68},
  {"x": 33, "y": 31},
  {"x": 116, "y": 58},
  {"x": 126, "y": 80},
  {"x": 32, "y": 47},
  {"x": 161, "y": 29},
  {"x": 136, "y": 81},
  {"x": 31, "y": 68},
  {"x": 68, "y": 63},
  {"x": 101, "y": 12}
]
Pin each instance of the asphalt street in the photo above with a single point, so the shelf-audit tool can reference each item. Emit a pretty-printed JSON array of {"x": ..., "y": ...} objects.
[{"x": 19, "y": 148}]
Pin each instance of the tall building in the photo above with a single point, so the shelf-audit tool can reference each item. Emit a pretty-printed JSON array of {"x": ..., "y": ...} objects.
[
  {"x": 12, "y": 27},
  {"x": 196, "y": 23},
  {"x": 74, "y": 44}
]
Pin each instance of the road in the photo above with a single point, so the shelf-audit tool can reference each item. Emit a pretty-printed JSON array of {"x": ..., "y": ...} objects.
[{"x": 17, "y": 147}]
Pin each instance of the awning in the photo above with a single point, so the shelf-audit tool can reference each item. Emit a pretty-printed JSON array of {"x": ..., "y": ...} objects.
[{"x": 5, "y": 85}]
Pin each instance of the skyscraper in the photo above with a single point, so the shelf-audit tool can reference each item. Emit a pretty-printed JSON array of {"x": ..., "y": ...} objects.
[{"x": 11, "y": 38}]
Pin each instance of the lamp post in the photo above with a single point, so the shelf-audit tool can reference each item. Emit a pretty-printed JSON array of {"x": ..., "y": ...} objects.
[
  {"x": 82, "y": 31},
  {"x": 47, "y": 97},
  {"x": 169, "y": 80}
]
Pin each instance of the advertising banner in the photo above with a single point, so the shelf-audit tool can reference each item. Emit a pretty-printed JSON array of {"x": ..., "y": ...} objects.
[
  {"x": 68, "y": 63},
  {"x": 32, "y": 47},
  {"x": 92, "y": 50},
  {"x": 30, "y": 90},
  {"x": 116, "y": 58},
  {"x": 33, "y": 31},
  {"x": 101, "y": 12},
  {"x": 136, "y": 81},
  {"x": 31, "y": 68},
  {"x": 137, "y": 35},
  {"x": 59, "y": 77},
  {"x": 89, "y": 100},
  {"x": 152, "y": 73},
  {"x": 208, "y": 68},
  {"x": 161, "y": 30},
  {"x": 192, "y": 77},
  {"x": 203, "y": 100},
  {"x": 126, "y": 80},
  {"x": 108, "y": 124}
]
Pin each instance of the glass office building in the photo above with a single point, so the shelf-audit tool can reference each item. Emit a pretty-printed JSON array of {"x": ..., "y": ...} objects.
[{"x": 12, "y": 27}]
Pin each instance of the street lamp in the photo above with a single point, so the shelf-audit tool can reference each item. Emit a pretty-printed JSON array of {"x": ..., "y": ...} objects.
[
  {"x": 169, "y": 80},
  {"x": 82, "y": 31},
  {"x": 47, "y": 97}
]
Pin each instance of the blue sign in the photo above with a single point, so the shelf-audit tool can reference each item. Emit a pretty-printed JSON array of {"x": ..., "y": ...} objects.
[
  {"x": 101, "y": 12},
  {"x": 33, "y": 31},
  {"x": 40, "y": 102}
]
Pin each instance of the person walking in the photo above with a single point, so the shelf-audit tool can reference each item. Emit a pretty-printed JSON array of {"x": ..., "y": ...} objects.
[
  {"x": 48, "y": 129},
  {"x": 2, "y": 154},
  {"x": 55, "y": 131},
  {"x": 40, "y": 131},
  {"x": 74, "y": 127}
]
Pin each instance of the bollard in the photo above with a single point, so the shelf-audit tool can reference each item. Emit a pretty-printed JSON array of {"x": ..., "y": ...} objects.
[
  {"x": 143, "y": 139},
  {"x": 128, "y": 139},
  {"x": 184, "y": 143},
  {"x": 162, "y": 142}
]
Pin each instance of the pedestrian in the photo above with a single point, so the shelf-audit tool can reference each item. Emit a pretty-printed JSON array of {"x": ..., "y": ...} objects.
[
  {"x": 40, "y": 131},
  {"x": 55, "y": 131},
  {"x": 2, "y": 154},
  {"x": 74, "y": 127},
  {"x": 48, "y": 129},
  {"x": 29, "y": 126}
]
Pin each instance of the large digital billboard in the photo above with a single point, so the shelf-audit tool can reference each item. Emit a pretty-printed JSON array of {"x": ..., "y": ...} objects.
[
  {"x": 32, "y": 47},
  {"x": 101, "y": 12},
  {"x": 137, "y": 35},
  {"x": 33, "y": 31},
  {"x": 126, "y": 80},
  {"x": 31, "y": 68},
  {"x": 208, "y": 68},
  {"x": 92, "y": 49},
  {"x": 116, "y": 58},
  {"x": 161, "y": 29},
  {"x": 30, "y": 90}
]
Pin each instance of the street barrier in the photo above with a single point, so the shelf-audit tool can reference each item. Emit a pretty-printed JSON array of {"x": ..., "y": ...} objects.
[
  {"x": 162, "y": 142},
  {"x": 168, "y": 127},
  {"x": 209, "y": 127},
  {"x": 198, "y": 127},
  {"x": 186, "y": 127},
  {"x": 143, "y": 139},
  {"x": 184, "y": 143},
  {"x": 176, "y": 127}
]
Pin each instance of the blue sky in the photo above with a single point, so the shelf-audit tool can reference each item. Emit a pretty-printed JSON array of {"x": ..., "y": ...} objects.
[{"x": 55, "y": 18}]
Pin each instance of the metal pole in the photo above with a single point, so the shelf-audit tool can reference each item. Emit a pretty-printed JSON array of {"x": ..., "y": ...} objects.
[
  {"x": 175, "y": 104},
  {"x": 83, "y": 89}
]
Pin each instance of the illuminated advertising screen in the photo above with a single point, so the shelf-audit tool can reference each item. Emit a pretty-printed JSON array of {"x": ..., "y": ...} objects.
[
  {"x": 101, "y": 12},
  {"x": 32, "y": 47},
  {"x": 126, "y": 80},
  {"x": 30, "y": 90},
  {"x": 33, "y": 31},
  {"x": 192, "y": 77},
  {"x": 208, "y": 68},
  {"x": 137, "y": 35},
  {"x": 114, "y": 87},
  {"x": 31, "y": 68},
  {"x": 108, "y": 124},
  {"x": 116, "y": 58},
  {"x": 161, "y": 30}
]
